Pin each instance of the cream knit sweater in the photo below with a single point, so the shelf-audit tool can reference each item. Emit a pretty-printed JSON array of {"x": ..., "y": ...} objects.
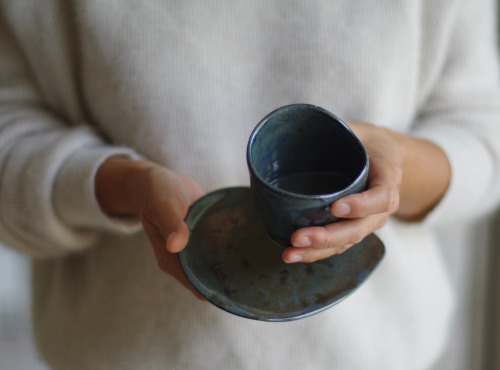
[{"x": 183, "y": 83}]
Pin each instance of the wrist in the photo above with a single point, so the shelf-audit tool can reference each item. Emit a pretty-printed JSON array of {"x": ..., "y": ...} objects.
[{"x": 426, "y": 176}]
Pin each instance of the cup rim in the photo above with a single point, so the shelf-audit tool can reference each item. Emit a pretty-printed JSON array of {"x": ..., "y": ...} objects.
[{"x": 254, "y": 172}]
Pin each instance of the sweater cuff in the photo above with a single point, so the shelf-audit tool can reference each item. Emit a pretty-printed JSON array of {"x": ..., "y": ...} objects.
[
  {"x": 470, "y": 165},
  {"x": 74, "y": 194}
]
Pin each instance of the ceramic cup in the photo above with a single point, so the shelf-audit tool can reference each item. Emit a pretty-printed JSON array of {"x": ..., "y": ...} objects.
[{"x": 301, "y": 159}]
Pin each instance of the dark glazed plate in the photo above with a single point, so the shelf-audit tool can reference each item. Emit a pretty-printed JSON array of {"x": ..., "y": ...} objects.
[{"x": 232, "y": 262}]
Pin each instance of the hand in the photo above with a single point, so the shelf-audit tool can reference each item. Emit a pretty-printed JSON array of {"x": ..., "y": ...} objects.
[
  {"x": 407, "y": 177},
  {"x": 159, "y": 197}
]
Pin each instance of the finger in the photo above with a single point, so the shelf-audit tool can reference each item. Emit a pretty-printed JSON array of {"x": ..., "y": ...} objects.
[
  {"x": 378, "y": 199},
  {"x": 167, "y": 217},
  {"x": 294, "y": 254},
  {"x": 338, "y": 234},
  {"x": 178, "y": 238},
  {"x": 382, "y": 195}
]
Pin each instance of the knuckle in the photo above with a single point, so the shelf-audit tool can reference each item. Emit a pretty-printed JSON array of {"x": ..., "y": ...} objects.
[
  {"x": 395, "y": 204},
  {"x": 389, "y": 201},
  {"x": 386, "y": 200},
  {"x": 398, "y": 171},
  {"x": 323, "y": 239}
]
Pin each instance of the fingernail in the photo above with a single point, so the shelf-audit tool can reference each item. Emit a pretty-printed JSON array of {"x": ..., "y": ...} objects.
[
  {"x": 295, "y": 258},
  {"x": 303, "y": 241},
  {"x": 341, "y": 209}
]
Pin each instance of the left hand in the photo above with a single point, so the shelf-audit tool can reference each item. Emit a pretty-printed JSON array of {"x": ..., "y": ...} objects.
[{"x": 408, "y": 177}]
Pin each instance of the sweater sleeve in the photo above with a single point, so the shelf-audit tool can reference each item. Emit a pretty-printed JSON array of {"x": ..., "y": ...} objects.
[
  {"x": 47, "y": 168},
  {"x": 462, "y": 115}
]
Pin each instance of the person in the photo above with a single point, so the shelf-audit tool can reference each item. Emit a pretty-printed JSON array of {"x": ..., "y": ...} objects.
[{"x": 116, "y": 116}]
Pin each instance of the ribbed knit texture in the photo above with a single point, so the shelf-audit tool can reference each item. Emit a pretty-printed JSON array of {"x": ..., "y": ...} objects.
[{"x": 183, "y": 84}]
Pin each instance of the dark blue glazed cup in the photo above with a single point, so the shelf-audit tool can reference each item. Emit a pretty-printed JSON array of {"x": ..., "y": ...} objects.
[{"x": 301, "y": 159}]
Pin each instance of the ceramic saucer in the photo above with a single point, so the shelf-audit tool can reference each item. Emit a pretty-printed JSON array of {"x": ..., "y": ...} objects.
[{"x": 232, "y": 263}]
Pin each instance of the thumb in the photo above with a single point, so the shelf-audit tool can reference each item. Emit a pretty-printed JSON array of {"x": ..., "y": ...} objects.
[{"x": 178, "y": 238}]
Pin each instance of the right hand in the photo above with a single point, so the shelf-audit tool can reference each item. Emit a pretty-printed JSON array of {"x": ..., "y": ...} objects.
[
  {"x": 408, "y": 177},
  {"x": 161, "y": 199}
]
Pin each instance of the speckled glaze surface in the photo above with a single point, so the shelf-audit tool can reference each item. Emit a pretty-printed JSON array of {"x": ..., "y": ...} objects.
[
  {"x": 231, "y": 261},
  {"x": 302, "y": 139}
]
